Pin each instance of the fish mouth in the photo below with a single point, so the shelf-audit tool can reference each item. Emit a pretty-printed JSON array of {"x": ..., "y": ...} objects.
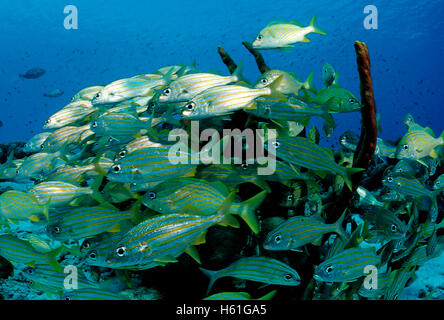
[{"x": 317, "y": 277}]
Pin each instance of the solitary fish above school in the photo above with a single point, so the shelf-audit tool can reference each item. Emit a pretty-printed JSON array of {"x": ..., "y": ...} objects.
[
  {"x": 335, "y": 99},
  {"x": 33, "y": 73},
  {"x": 282, "y": 35}
]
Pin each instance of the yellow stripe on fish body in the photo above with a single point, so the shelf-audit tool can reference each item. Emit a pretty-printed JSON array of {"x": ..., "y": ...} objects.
[
  {"x": 71, "y": 113},
  {"x": 260, "y": 269},
  {"x": 58, "y": 193},
  {"x": 70, "y": 174},
  {"x": 150, "y": 164},
  {"x": 186, "y": 87},
  {"x": 37, "y": 164},
  {"x": 221, "y": 100},
  {"x": 63, "y": 136},
  {"x": 82, "y": 222},
  {"x": 200, "y": 197},
  {"x": 298, "y": 231},
  {"x": 118, "y": 124},
  {"x": 17, "y": 250},
  {"x": 304, "y": 153},
  {"x": 346, "y": 266},
  {"x": 384, "y": 150},
  {"x": 86, "y": 93},
  {"x": 159, "y": 240},
  {"x": 128, "y": 88}
]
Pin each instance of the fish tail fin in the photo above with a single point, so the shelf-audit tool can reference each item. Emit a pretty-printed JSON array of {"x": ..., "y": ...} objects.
[
  {"x": 248, "y": 208},
  {"x": 46, "y": 209},
  {"x": 349, "y": 172},
  {"x": 339, "y": 229},
  {"x": 237, "y": 74},
  {"x": 210, "y": 274},
  {"x": 52, "y": 258},
  {"x": 228, "y": 219},
  {"x": 268, "y": 296},
  {"x": 316, "y": 29},
  {"x": 308, "y": 84},
  {"x": 97, "y": 195}
]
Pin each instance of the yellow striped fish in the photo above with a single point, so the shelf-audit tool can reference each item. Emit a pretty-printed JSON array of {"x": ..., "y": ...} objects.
[
  {"x": 187, "y": 86},
  {"x": 71, "y": 113},
  {"x": 160, "y": 240},
  {"x": 222, "y": 100},
  {"x": 35, "y": 143},
  {"x": 260, "y": 269},
  {"x": 346, "y": 266},
  {"x": 86, "y": 93},
  {"x": 58, "y": 193},
  {"x": 298, "y": 231},
  {"x": 200, "y": 197},
  {"x": 19, "y": 205},
  {"x": 418, "y": 143},
  {"x": 129, "y": 88},
  {"x": 289, "y": 84},
  {"x": 282, "y": 35}
]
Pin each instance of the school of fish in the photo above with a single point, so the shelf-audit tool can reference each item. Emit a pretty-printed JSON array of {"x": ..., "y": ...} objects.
[{"x": 104, "y": 188}]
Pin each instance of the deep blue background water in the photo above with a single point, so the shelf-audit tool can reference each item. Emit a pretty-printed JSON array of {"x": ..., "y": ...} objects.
[{"x": 117, "y": 39}]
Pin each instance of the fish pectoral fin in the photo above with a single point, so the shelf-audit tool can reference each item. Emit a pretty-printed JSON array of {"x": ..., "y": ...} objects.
[
  {"x": 433, "y": 154},
  {"x": 34, "y": 218},
  {"x": 165, "y": 260},
  {"x": 193, "y": 253},
  {"x": 115, "y": 228},
  {"x": 305, "y": 39},
  {"x": 286, "y": 49},
  {"x": 200, "y": 239}
]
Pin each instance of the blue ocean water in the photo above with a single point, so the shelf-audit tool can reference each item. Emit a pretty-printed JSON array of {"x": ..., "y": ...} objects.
[{"x": 116, "y": 39}]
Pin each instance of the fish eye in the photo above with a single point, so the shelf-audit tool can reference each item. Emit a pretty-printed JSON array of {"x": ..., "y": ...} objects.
[
  {"x": 85, "y": 245},
  {"x": 277, "y": 239},
  {"x": 152, "y": 195},
  {"x": 42, "y": 146},
  {"x": 393, "y": 228},
  {"x": 275, "y": 144},
  {"x": 67, "y": 298},
  {"x": 120, "y": 252},
  {"x": 94, "y": 124},
  {"x": 329, "y": 269},
  {"x": 47, "y": 121},
  {"x": 116, "y": 168},
  {"x": 190, "y": 106},
  {"x": 288, "y": 276},
  {"x": 29, "y": 271},
  {"x": 290, "y": 197},
  {"x": 389, "y": 179},
  {"x": 244, "y": 166},
  {"x": 98, "y": 94},
  {"x": 264, "y": 80},
  {"x": 92, "y": 255},
  {"x": 17, "y": 171},
  {"x": 56, "y": 229},
  {"x": 166, "y": 92},
  {"x": 405, "y": 147},
  {"x": 259, "y": 37},
  {"x": 351, "y": 100},
  {"x": 122, "y": 153},
  {"x": 151, "y": 106}
]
